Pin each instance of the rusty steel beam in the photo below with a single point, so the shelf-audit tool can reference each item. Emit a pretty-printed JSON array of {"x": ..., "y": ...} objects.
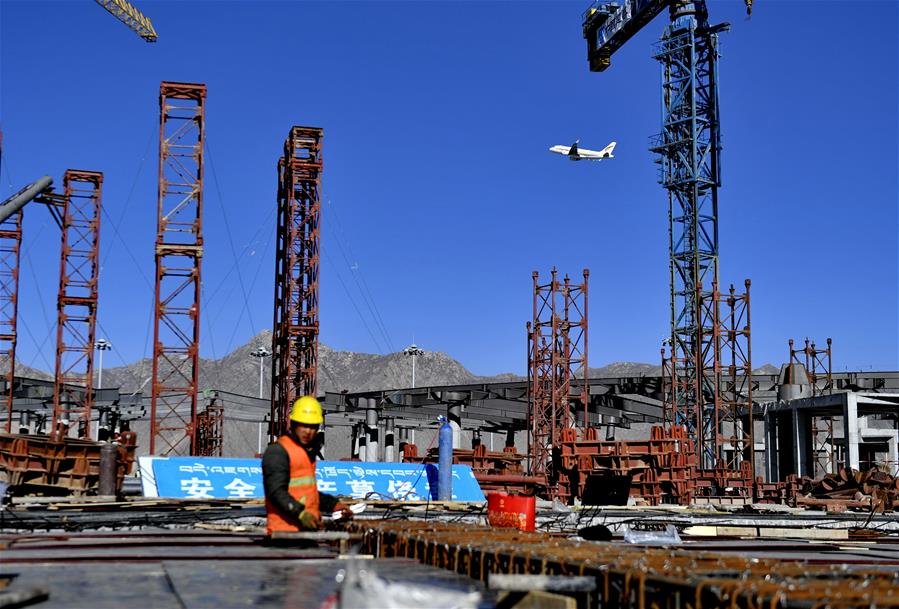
[
  {"x": 77, "y": 303},
  {"x": 179, "y": 251},
  {"x": 297, "y": 262}
]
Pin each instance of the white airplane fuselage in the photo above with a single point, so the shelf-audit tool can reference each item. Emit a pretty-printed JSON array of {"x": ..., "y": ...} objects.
[{"x": 582, "y": 154}]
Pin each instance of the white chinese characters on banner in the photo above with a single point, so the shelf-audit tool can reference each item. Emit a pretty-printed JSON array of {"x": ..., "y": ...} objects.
[
  {"x": 195, "y": 488},
  {"x": 240, "y": 489}
]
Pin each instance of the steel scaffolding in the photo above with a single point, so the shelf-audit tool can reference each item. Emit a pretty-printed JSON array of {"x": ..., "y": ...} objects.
[
  {"x": 77, "y": 302},
  {"x": 210, "y": 429},
  {"x": 179, "y": 250},
  {"x": 732, "y": 437},
  {"x": 10, "y": 246},
  {"x": 557, "y": 370},
  {"x": 297, "y": 261},
  {"x": 818, "y": 367}
]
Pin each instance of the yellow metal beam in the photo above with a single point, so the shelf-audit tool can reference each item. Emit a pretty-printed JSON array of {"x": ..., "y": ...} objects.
[{"x": 125, "y": 12}]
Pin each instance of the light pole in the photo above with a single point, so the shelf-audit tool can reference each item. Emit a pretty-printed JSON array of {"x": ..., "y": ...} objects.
[
  {"x": 413, "y": 350},
  {"x": 101, "y": 346},
  {"x": 261, "y": 353}
]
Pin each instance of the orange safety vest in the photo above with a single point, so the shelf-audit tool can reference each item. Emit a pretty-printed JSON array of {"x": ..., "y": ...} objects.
[{"x": 302, "y": 487}]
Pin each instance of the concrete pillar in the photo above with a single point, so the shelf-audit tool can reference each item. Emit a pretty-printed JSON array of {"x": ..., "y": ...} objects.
[
  {"x": 771, "y": 447},
  {"x": 354, "y": 441},
  {"x": 389, "y": 440},
  {"x": 361, "y": 439},
  {"x": 785, "y": 441},
  {"x": 850, "y": 429},
  {"x": 372, "y": 449},
  {"x": 454, "y": 417},
  {"x": 803, "y": 460}
]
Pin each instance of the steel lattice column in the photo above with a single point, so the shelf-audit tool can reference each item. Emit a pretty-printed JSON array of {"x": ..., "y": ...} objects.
[
  {"x": 689, "y": 148},
  {"x": 731, "y": 433},
  {"x": 557, "y": 368},
  {"x": 179, "y": 250},
  {"x": 297, "y": 261},
  {"x": 818, "y": 367},
  {"x": 77, "y": 301},
  {"x": 10, "y": 246}
]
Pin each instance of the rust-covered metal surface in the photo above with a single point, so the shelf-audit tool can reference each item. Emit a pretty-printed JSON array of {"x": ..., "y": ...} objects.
[
  {"x": 59, "y": 465},
  {"x": 642, "y": 577}
]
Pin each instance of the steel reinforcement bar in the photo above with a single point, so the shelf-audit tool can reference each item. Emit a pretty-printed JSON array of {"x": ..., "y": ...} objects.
[{"x": 637, "y": 577}]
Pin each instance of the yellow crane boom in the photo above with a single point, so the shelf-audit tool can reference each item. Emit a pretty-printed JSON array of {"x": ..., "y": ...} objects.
[{"x": 125, "y": 12}]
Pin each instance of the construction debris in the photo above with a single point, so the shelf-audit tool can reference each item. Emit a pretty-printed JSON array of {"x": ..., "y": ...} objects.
[{"x": 873, "y": 490}]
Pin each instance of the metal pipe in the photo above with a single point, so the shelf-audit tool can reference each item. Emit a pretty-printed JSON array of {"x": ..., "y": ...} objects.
[
  {"x": 18, "y": 200},
  {"x": 108, "y": 469}
]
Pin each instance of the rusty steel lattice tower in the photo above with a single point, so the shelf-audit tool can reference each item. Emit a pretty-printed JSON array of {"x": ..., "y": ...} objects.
[
  {"x": 557, "y": 368},
  {"x": 818, "y": 367},
  {"x": 77, "y": 300},
  {"x": 179, "y": 251},
  {"x": 727, "y": 441},
  {"x": 10, "y": 246},
  {"x": 297, "y": 260},
  {"x": 210, "y": 437}
]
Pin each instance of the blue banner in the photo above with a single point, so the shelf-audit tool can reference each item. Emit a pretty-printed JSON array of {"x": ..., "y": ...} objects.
[{"x": 211, "y": 477}]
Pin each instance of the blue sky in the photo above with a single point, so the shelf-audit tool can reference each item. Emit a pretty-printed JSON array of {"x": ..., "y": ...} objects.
[{"x": 441, "y": 197}]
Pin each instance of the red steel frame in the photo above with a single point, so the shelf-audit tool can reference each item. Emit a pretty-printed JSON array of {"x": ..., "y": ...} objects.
[
  {"x": 77, "y": 301},
  {"x": 10, "y": 246},
  {"x": 557, "y": 368},
  {"x": 297, "y": 261},
  {"x": 179, "y": 251},
  {"x": 735, "y": 423},
  {"x": 818, "y": 367}
]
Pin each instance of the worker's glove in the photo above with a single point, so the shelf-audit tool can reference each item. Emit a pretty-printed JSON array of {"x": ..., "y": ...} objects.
[
  {"x": 345, "y": 512},
  {"x": 310, "y": 521}
]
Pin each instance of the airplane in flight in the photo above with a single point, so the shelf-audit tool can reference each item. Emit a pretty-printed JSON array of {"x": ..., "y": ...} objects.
[{"x": 582, "y": 154}]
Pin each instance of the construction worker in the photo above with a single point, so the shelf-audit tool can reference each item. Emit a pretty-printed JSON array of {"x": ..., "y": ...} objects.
[{"x": 292, "y": 500}]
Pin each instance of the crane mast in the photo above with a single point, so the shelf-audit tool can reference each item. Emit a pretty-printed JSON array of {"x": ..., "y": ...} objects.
[{"x": 689, "y": 148}]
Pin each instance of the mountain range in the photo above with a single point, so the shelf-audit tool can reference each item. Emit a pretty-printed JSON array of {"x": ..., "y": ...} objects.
[{"x": 238, "y": 371}]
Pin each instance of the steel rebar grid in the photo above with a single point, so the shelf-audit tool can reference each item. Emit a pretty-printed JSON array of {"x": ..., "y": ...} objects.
[
  {"x": 10, "y": 247},
  {"x": 557, "y": 369},
  {"x": 77, "y": 301},
  {"x": 637, "y": 577},
  {"x": 689, "y": 148},
  {"x": 297, "y": 261},
  {"x": 179, "y": 251}
]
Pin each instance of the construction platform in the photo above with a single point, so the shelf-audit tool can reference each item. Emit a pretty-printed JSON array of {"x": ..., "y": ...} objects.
[{"x": 192, "y": 554}]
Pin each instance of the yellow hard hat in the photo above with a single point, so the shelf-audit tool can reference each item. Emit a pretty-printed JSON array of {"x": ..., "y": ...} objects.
[{"x": 307, "y": 410}]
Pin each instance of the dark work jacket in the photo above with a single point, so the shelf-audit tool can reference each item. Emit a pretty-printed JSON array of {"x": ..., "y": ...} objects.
[{"x": 276, "y": 476}]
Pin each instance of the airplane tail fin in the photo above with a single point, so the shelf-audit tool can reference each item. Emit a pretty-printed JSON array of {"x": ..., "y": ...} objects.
[{"x": 607, "y": 151}]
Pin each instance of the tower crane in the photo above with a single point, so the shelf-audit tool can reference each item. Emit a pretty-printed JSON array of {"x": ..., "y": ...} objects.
[
  {"x": 125, "y": 12},
  {"x": 689, "y": 149}
]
